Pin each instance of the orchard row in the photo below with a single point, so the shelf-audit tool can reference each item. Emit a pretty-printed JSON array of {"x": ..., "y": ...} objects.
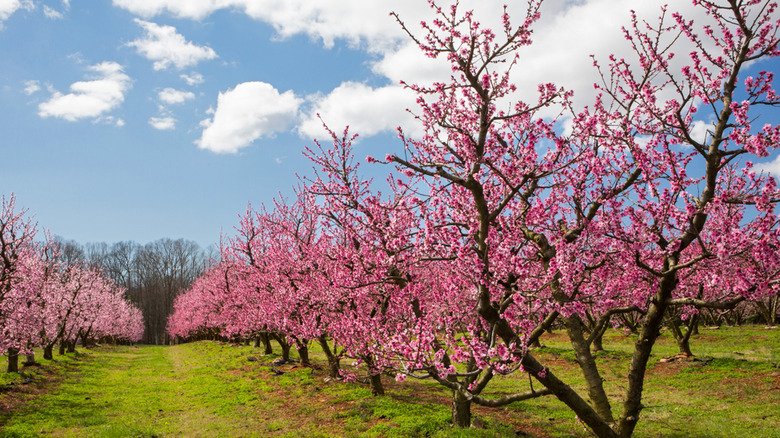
[
  {"x": 47, "y": 299},
  {"x": 506, "y": 217}
]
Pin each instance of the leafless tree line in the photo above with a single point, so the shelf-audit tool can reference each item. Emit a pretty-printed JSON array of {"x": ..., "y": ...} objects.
[{"x": 153, "y": 274}]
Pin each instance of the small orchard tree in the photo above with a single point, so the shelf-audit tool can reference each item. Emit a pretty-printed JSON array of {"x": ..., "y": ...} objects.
[
  {"x": 371, "y": 257},
  {"x": 20, "y": 279}
]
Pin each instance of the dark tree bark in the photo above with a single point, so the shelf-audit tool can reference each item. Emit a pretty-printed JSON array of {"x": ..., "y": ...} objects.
[
  {"x": 461, "y": 410},
  {"x": 283, "y": 344},
  {"x": 374, "y": 377},
  {"x": 682, "y": 338},
  {"x": 598, "y": 340},
  {"x": 30, "y": 360},
  {"x": 13, "y": 360},
  {"x": 302, "y": 346},
  {"x": 334, "y": 365},
  {"x": 587, "y": 363},
  {"x": 267, "y": 343}
]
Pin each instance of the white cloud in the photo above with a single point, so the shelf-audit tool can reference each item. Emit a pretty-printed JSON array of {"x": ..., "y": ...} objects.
[
  {"x": 564, "y": 38},
  {"x": 8, "y": 7},
  {"x": 163, "y": 123},
  {"x": 408, "y": 63},
  {"x": 92, "y": 98},
  {"x": 173, "y": 97},
  {"x": 192, "y": 79},
  {"x": 166, "y": 47},
  {"x": 194, "y": 9},
  {"x": 31, "y": 87},
  {"x": 51, "y": 13},
  {"x": 246, "y": 113},
  {"x": 111, "y": 120},
  {"x": 367, "y": 111},
  {"x": 772, "y": 167},
  {"x": 701, "y": 131},
  {"x": 352, "y": 20}
]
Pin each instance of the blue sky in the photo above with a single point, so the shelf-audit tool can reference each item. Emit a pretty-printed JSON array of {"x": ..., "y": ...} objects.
[{"x": 143, "y": 119}]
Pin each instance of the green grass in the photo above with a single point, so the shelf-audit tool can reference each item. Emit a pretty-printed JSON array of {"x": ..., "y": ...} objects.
[
  {"x": 144, "y": 392},
  {"x": 211, "y": 389}
]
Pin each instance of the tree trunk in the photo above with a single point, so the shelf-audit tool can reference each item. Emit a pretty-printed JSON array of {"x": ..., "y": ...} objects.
[
  {"x": 72, "y": 346},
  {"x": 47, "y": 352},
  {"x": 334, "y": 366},
  {"x": 284, "y": 344},
  {"x": 374, "y": 378},
  {"x": 630, "y": 322},
  {"x": 683, "y": 339},
  {"x": 651, "y": 329},
  {"x": 685, "y": 342},
  {"x": 30, "y": 360},
  {"x": 303, "y": 352},
  {"x": 85, "y": 338},
  {"x": 693, "y": 325},
  {"x": 461, "y": 410},
  {"x": 598, "y": 398},
  {"x": 62, "y": 348},
  {"x": 768, "y": 310},
  {"x": 13, "y": 360},
  {"x": 567, "y": 395},
  {"x": 598, "y": 341},
  {"x": 267, "y": 343},
  {"x": 257, "y": 341}
]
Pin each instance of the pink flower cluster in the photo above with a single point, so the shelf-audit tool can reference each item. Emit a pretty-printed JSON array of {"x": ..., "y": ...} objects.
[{"x": 45, "y": 299}]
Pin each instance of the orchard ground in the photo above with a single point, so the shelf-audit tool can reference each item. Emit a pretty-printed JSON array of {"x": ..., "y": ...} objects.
[{"x": 211, "y": 389}]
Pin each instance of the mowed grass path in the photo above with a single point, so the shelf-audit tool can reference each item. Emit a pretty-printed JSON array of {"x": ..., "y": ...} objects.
[
  {"x": 143, "y": 392},
  {"x": 213, "y": 389}
]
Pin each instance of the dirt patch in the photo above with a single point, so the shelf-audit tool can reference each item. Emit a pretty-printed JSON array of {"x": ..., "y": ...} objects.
[{"x": 317, "y": 406}]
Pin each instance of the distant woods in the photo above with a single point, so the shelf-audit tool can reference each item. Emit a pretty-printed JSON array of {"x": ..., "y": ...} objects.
[{"x": 153, "y": 274}]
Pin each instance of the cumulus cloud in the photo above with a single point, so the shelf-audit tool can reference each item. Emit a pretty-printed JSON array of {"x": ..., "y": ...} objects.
[
  {"x": 351, "y": 20},
  {"x": 163, "y": 123},
  {"x": 166, "y": 47},
  {"x": 192, "y": 79},
  {"x": 367, "y": 111},
  {"x": 89, "y": 99},
  {"x": 246, "y": 113},
  {"x": 701, "y": 131},
  {"x": 51, "y": 13},
  {"x": 31, "y": 87},
  {"x": 111, "y": 120},
  {"x": 173, "y": 97},
  {"x": 564, "y": 39},
  {"x": 194, "y": 9},
  {"x": 8, "y": 7},
  {"x": 408, "y": 63},
  {"x": 772, "y": 167}
]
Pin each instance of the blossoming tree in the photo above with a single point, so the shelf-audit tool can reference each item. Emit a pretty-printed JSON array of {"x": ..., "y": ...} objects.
[{"x": 630, "y": 202}]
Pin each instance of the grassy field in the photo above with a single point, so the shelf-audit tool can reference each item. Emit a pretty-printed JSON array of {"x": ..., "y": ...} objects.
[{"x": 210, "y": 389}]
